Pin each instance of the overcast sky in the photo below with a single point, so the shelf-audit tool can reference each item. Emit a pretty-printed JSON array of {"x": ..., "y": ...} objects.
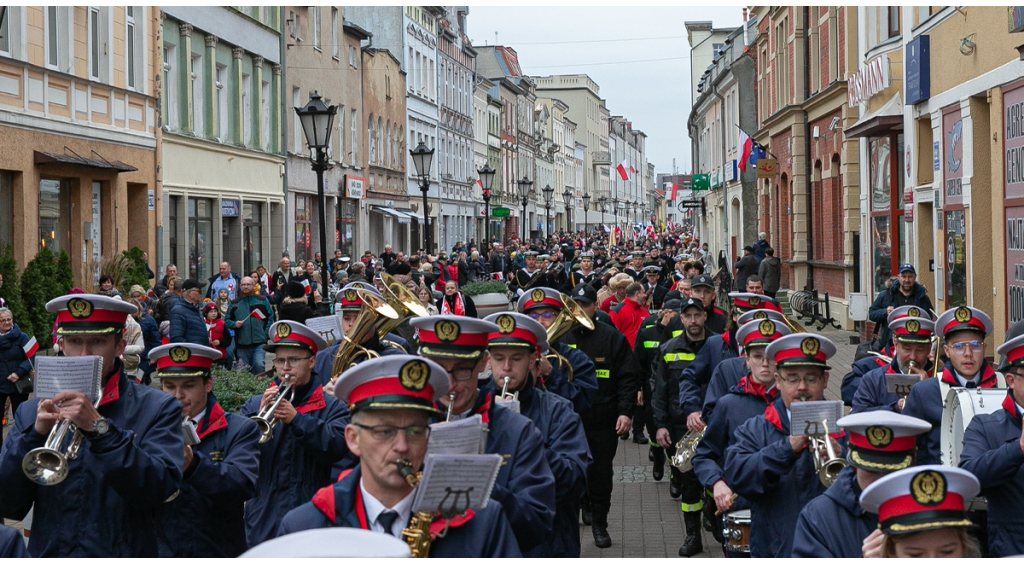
[{"x": 653, "y": 94}]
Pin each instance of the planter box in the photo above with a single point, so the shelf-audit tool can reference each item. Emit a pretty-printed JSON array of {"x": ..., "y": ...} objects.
[{"x": 486, "y": 304}]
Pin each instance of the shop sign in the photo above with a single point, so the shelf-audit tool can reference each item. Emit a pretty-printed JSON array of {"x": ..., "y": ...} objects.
[
  {"x": 500, "y": 212},
  {"x": 355, "y": 187},
  {"x": 700, "y": 182},
  {"x": 918, "y": 70},
  {"x": 953, "y": 169},
  {"x": 152, "y": 201},
  {"x": 730, "y": 170},
  {"x": 1015, "y": 264},
  {"x": 908, "y": 213},
  {"x": 1013, "y": 142},
  {"x": 767, "y": 168},
  {"x": 868, "y": 81},
  {"x": 230, "y": 208}
]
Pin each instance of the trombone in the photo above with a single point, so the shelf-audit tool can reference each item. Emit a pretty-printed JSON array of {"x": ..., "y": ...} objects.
[
  {"x": 570, "y": 314},
  {"x": 828, "y": 470},
  {"x": 350, "y": 350},
  {"x": 47, "y": 465},
  {"x": 265, "y": 420}
]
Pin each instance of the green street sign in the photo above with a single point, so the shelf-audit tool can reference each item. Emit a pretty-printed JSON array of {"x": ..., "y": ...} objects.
[
  {"x": 700, "y": 182},
  {"x": 500, "y": 212}
]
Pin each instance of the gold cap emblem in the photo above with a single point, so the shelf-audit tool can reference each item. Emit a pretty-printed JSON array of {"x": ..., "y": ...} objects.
[
  {"x": 766, "y": 328},
  {"x": 755, "y": 301},
  {"x": 79, "y": 308},
  {"x": 928, "y": 488},
  {"x": 413, "y": 375},
  {"x": 283, "y": 330},
  {"x": 447, "y": 330},
  {"x": 506, "y": 324},
  {"x": 809, "y": 346},
  {"x": 913, "y": 326},
  {"x": 179, "y": 354},
  {"x": 760, "y": 315},
  {"x": 913, "y": 312},
  {"x": 962, "y": 314},
  {"x": 878, "y": 437},
  {"x": 351, "y": 295},
  {"x": 537, "y": 295}
]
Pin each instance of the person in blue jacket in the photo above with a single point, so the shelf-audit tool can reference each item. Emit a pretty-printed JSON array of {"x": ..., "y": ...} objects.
[
  {"x": 747, "y": 399},
  {"x": 963, "y": 331},
  {"x": 15, "y": 364},
  {"x": 392, "y": 399},
  {"x": 205, "y": 518},
  {"x": 851, "y": 381},
  {"x": 130, "y": 458},
  {"x": 565, "y": 441},
  {"x": 904, "y": 291},
  {"x": 912, "y": 343},
  {"x": 187, "y": 323},
  {"x": 766, "y": 464},
  {"x": 525, "y": 487},
  {"x": 12, "y": 545},
  {"x": 994, "y": 452},
  {"x": 308, "y": 437},
  {"x": 834, "y": 524}
]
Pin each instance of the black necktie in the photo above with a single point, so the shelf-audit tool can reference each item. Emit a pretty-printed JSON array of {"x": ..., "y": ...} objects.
[
  {"x": 971, "y": 384},
  {"x": 387, "y": 519}
]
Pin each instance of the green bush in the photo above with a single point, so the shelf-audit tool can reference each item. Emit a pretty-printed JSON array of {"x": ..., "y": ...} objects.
[
  {"x": 488, "y": 287},
  {"x": 135, "y": 272},
  {"x": 234, "y": 387},
  {"x": 65, "y": 276},
  {"x": 40, "y": 285},
  {"x": 11, "y": 290}
]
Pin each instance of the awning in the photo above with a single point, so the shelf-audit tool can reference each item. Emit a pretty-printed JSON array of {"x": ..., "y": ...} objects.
[
  {"x": 879, "y": 122},
  {"x": 41, "y": 158},
  {"x": 402, "y": 218},
  {"x": 413, "y": 215}
]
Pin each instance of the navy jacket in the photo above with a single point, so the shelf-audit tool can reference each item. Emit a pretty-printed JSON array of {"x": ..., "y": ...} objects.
[
  {"x": 851, "y": 381},
  {"x": 106, "y": 506},
  {"x": 187, "y": 325},
  {"x": 580, "y": 390},
  {"x": 924, "y": 402},
  {"x": 297, "y": 461},
  {"x": 325, "y": 358},
  {"x": 206, "y": 518},
  {"x": 11, "y": 543},
  {"x": 892, "y": 296},
  {"x": 486, "y": 534},
  {"x": 568, "y": 455},
  {"x": 151, "y": 337},
  {"x": 873, "y": 395},
  {"x": 834, "y": 525},
  {"x": 13, "y": 359},
  {"x": 761, "y": 466},
  {"x": 694, "y": 380},
  {"x": 727, "y": 374},
  {"x": 992, "y": 453}
]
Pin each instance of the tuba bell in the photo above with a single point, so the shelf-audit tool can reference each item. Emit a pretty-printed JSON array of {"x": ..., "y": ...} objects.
[
  {"x": 570, "y": 314},
  {"x": 404, "y": 302},
  {"x": 828, "y": 470},
  {"x": 349, "y": 351},
  {"x": 686, "y": 448}
]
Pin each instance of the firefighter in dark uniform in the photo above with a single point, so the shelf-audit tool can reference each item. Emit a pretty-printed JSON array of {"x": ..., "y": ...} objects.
[
  {"x": 912, "y": 341},
  {"x": 206, "y": 518},
  {"x": 994, "y": 452},
  {"x": 653, "y": 287},
  {"x": 703, "y": 289},
  {"x": 391, "y": 400},
  {"x": 105, "y": 505},
  {"x": 525, "y": 486},
  {"x": 766, "y": 464},
  {"x": 648, "y": 341},
  {"x": 834, "y": 524},
  {"x": 673, "y": 357},
  {"x": 585, "y": 274},
  {"x": 851, "y": 381},
  {"x": 308, "y": 439},
  {"x": 521, "y": 280},
  {"x": 618, "y": 381}
]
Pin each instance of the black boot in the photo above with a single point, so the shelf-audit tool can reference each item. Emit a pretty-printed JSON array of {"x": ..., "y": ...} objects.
[
  {"x": 587, "y": 515},
  {"x": 658, "y": 455},
  {"x": 601, "y": 538},
  {"x": 693, "y": 544},
  {"x": 650, "y": 454},
  {"x": 675, "y": 483}
]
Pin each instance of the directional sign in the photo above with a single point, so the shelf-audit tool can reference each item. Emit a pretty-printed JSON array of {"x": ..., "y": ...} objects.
[
  {"x": 500, "y": 212},
  {"x": 683, "y": 204}
]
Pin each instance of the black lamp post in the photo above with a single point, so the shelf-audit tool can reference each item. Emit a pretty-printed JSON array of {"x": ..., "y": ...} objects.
[
  {"x": 603, "y": 202},
  {"x": 615, "y": 210},
  {"x": 567, "y": 200},
  {"x": 586, "y": 214},
  {"x": 421, "y": 157},
  {"x": 486, "y": 179},
  {"x": 525, "y": 185},
  {"x": 317, "y": 121},
  {"x": 548, "y": 193}
]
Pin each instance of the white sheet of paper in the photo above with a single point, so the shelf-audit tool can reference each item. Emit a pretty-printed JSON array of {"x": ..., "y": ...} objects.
[
  {"x": 56, "y": 374},
  {"x": 901, "y": 383},
  {"x": 456, "y": 482},
  {"x": 328, "y": 326},
  {"x": 465, "y": 436},
  {"x": 807, "y": 417}
]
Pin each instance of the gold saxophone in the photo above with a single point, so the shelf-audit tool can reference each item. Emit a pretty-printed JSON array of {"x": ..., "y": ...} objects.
[{"x": 417, "y": 534}]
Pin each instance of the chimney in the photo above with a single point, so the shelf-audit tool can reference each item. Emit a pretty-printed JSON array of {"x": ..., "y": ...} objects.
[{"x": 745, "y": 43}]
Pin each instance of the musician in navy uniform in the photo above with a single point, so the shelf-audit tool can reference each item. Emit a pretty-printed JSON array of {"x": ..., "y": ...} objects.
[
  {"x": 994, "y": 452},
  {"x": 130, "y": 457},
  {"x": 205, "y": 518},
  {"x": 851, "y": 380},
  {"x": 730, "y": 371},
  {"x": 766, "y": 464},
  {"x": 653, "y": 287},
  {"x": 526, "y": 485},
  {"x": 585, "y": 274},
  {"x": 636, "y": 266},
  {"x": 834, "y": 524},
  {"x": 912, "y": 342},
  {"x": 521, "y": 280},
  {"x": 392, "y": 400},
  {"x": 308, "y": 439},
  {"x": 963, "y": 331}
]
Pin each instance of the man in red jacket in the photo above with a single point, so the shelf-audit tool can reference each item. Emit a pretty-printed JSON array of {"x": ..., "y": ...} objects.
[{"x": 629, "y": 315}]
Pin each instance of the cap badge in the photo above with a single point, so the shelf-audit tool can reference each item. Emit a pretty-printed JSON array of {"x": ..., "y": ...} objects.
[
  {"x": 760, "y": 315},
  {"x": 179, "y": 354},
  {"x": 581, "y": 292},
  {"x": 766, "y": 328},
  {"x": 962, "y": 314},
  {"x": 80, "y": 308},
  {"x": 809, "y": 346},
  {"x": 447, "y": 331},
  {"x": 913, "y": 312},
  {"x": 506, "y": 324},
  {"x": 913, "y": 326},
  {"x": 879, "y": 437},
  {"x": 928, "y": 488},
  {"x": 413, "y": 375},
  {"x": 537, "y": 295},
  {"x": 351, "y": 295},
  {"x": 754, "y": 301},
  {"x": 283, "y": 330}
]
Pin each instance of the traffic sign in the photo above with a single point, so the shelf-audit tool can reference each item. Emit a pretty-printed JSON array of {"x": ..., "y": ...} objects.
[{"x": 500, "y": 212}]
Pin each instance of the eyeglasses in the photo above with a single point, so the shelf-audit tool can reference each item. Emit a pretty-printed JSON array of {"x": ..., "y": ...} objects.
[
  {"x": 545, "y": 315},
  {"x": 461, "y": 374},
  {"x": 961, "y": 347},
  {"x": 388, "y": 433},
  {"x": 795, "y": 380},
  {"x": 294, "y": 361}
]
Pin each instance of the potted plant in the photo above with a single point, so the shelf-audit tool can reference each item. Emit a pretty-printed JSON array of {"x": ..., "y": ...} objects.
[{"x": 489, "y": 296}]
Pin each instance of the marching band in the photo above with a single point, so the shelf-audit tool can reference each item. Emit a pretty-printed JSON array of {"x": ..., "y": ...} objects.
[{"x": 929, "y": 460}]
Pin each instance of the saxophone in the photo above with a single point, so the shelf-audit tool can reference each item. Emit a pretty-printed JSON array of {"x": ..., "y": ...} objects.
[{"x": 417, "y": 534}]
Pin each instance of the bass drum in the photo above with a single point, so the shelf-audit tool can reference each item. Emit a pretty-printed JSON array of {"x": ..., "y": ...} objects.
[{"x": 962, "y": 405}]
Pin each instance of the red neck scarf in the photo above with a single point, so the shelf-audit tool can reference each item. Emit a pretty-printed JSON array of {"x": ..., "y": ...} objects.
[
  {"x": 754, "y": 388},
  {"x": 460, "y": 306},
  {"x": 988, "y": 376},
  {"x": 1010, "y": 405}
]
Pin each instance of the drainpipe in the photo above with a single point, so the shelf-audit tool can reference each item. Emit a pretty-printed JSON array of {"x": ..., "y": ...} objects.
[
  {"x": 725, "y": 187},
  {"x": 809, "y": 285},
  {"x": 284, "y": 132}
]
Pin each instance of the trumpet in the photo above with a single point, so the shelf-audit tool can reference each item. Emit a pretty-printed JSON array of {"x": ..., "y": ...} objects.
[
  {"x": 47, "y": 465},
  {"x": 828, "y": 470},
  {"x": 451, "y": 406},
  {"x": 265, "y": 420},
  {"x": 417, "y": 534},
  {"x": 504, "y": 391},
  {"x": 570, "y": 314},
  {"x": 686, "y": 448},
  {"x": 887, "y": 359},
  {"x": 372, "y": 309}
]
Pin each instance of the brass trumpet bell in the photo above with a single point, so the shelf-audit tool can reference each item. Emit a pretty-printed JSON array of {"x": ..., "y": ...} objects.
[{"x": 47, "y": 465}]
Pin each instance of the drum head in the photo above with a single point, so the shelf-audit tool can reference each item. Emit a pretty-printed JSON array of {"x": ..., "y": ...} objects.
[{"x": 962, "y": 405}]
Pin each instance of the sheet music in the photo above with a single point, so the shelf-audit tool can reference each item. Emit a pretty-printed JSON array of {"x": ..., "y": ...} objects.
[
  {"x": 56, "y": 374},
  {"x": 328, "y": 327},
  {"x": 901, "y": 383},
  {"x": 465, "y": 436},
  {"x": 456, "y": 482},
  {"x": 807, "y": 417}
]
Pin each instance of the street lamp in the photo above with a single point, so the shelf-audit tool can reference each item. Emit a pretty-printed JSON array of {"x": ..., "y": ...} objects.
[
  {"x": 525, "y": 185},
  {"x": 421, "y": 157},
  {"x": 603, "y": 201},
  {"x": 548, "y": 193},
  {"x": 317, "y": 120},
  {"x": 615, "y": 209},
  {"x": 586, "y": 214},
  {"x": 567, "y": 199},
  {"x": 486, "y": 179}
]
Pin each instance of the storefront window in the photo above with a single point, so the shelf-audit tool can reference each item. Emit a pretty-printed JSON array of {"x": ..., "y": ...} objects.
[
  {"x": 253, "y": 235},
  {"x": 953, "y": 205},
  {"x": 956, "y": 258},
  {"x": 886, "y": 208},
  {"x": 173, "y": 207},
  {"x": 303, "y": 228},
  {"x": 346, "y": 226},
  {"x": 54, "y": 215},
  {"x": 200, "y": 238}
]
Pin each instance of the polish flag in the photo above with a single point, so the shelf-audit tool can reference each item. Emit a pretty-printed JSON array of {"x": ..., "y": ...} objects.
[
  {"x": 623, "y": 169},
  {"x": 632, "y": 169},
  {"x": 258, "y": 314},
  {"x": 306, "y": 287},
  {"x": 480, "y": 183},
  {"x": 746, "y": 144},
  {"x": 673, "y": 187},
  {"x": 31, "y": 347}
]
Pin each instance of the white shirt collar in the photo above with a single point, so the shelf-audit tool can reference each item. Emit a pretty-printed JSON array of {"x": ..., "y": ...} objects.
[
  {"x": 199, "y": 418},
  {"x": 374, "y": 507},
  {"x": 963, "y": 381}
]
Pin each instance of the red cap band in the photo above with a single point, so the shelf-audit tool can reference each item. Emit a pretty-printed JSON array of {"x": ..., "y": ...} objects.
[
  {"x": 387, "y": 386},
  {"x": 520, "y": 333},
  {"x": 905, "y": 505},
  {"x": 897, "y": 444},
  {"x": 797, "y": 353},
  {"x": 97, "y": 316},
  {"x": 295, "y": 336},
  {"x": 973, "y": 322},
  {"x": 464, "y": 339}
]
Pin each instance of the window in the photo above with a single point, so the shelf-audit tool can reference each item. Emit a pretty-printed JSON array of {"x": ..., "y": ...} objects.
[
  {"x": 334, "y": 33},
  {"x": 173, "y": 209},
  {"x": 170, "y": 88},
  {"x": 129, "y": 45},
  {"x": 54, "y": 215},
  {"x": 303, "y": 227},
  {"x": 342, "y": 157},
  {"x": 200, "y": 237},
  {"x": 371, "y": 134},
  {"x": 252, "y": 233},
  {"x": 315, "y": 23},
  {"x": 5, "y": 32},
  {"x": 353, "y": 57},
  {"x": 53, "y": 42},
  {"x": 354, "y": 126},
  {"x": 894, "y": 21},
  {"x": 781, "y": 64},
  {"x": 265, "y": 116},
  {"x": 297, "y": 135},
  {"x": 222, "y": 102},
  {"x": 196, "y": 76},
  {"x": 247, "y": 133},
  {"x": 97, "y": 44},
  {"x": 380, "y": 141}
]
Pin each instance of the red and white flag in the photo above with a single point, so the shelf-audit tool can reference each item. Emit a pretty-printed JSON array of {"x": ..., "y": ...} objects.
[
  {"x": 31, "y": 347},
  {"x": 746, "y": 144},
  {"x": 480, "y": 183},
  {"x": 623, "y": 169},
  {"x": 306, "y": 287},
  {"x": 258, "y": 314}
]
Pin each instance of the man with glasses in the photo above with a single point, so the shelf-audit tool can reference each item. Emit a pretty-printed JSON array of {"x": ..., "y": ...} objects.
[
  {"x": 187, "y": 325},
  {"x": 912, "y": 341},
  {"x": 250, "y": 327},
  {"x": 963, "y": 330},
  {"x": 525, "y": 487},
  {"x": 768, "y": 466},
  {"x": 392, "y": 400},
  {"x": 309, "y": 436}
]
